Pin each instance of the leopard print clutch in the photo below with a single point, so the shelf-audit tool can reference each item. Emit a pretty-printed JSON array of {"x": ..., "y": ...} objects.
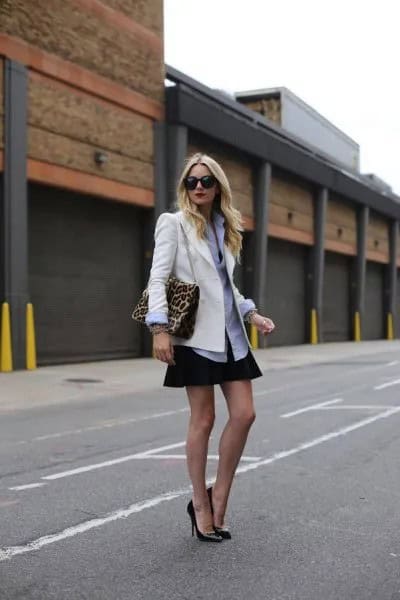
[{"x": 183, "y": 302}]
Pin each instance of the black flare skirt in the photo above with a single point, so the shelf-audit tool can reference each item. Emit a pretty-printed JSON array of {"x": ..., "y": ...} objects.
[{"x": 192, "y": 369}]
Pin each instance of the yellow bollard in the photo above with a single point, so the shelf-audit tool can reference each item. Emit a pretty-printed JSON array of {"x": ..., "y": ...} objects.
[
  {"x": 390, "y": 330},
  {"x": 30, "y": 338},
  {"x": 314, "y": 326},
  {"x": 254, "y": 337},
  {"x": 6, "y": 364},
  {"x": 357, "y": 327}
]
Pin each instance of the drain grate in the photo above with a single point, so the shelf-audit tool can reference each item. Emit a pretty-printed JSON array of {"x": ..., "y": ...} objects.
[{"x": 83, "y": 380}]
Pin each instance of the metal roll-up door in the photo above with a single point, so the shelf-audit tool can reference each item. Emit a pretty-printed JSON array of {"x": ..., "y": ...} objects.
[
  {"x": 85, "y": 273},
  {"x": 336, "y": 323},
  {"x": 373, "y": 319},
  {"x": 286, "y": 292},
  {"x": 397, "y": 315}
]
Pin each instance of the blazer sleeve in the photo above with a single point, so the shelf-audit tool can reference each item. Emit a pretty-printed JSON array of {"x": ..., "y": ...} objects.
[
  {"x": 244, "y": 304},
  {"x": 166, "y": 242}
]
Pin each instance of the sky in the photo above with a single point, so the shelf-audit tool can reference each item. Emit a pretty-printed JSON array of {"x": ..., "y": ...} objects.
[{"x": 341, "y": 57}]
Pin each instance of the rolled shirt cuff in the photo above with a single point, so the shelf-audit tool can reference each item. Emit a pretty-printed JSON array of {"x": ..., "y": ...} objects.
[
  {"x": 245, "y": 306},
  {"x": 156, "y": 317}
]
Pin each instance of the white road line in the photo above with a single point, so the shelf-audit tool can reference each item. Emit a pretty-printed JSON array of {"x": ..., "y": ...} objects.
[
  {"x": 7, "y": 553},
  {"x": 391, "y": 364},
  {"x": 109, "y": 463},
  {"x": 11, "y": 551},
  {"x": 387, "y": 384},
  {"x": 298, "y": 384},
  {"x": 312, "y": 407},
  {"x": 320, "y": 440},
  {"x": 28, "y": 486},
  {"x": 183, "y": 457},
  {"x": 359, "y": 407},
  {"x": 106, "y": 425},
  {"x": 161, "y": 449},
  {"x": 143, "y": 456}
]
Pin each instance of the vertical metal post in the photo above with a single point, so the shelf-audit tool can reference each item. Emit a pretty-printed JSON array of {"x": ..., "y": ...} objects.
[
  {"x": 177, "y": 144},
  {"x": 14, "y": 208},
  {"x": 160, "y": 168},
  {"x": 262, "y": 184},
  {"x": 392, "y": 279},
  {"x": 318, "y": 263},
  {"x": 360, "y": 271}
]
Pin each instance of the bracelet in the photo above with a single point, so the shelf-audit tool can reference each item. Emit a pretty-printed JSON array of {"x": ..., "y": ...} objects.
[
  {"x": 250, "y": 314},
  {"x": 158, "y": 328}
]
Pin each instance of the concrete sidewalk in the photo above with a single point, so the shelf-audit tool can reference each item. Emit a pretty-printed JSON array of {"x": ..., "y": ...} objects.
[{"x": 60, "y": 384}]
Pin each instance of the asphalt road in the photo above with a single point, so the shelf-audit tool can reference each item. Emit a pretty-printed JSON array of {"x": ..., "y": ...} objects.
[{"x": 93, "y": 495}]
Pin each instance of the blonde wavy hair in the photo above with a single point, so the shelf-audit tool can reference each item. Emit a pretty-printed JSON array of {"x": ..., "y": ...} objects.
[{"x": 222, "y": 203}]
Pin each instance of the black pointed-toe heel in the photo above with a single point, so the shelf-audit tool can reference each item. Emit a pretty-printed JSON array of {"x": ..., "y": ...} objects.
[
  {"x": 222, "y": 531},
  {"x": 211, "y": 536}
]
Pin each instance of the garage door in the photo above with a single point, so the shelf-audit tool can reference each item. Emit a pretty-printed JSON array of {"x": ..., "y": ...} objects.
[
  {"x": 397, "y": 315},
  {"x": 373, "y": 320},
  {"x": 85, "y": 273},
  {"x": 336, "y": 324},
  {"x": 285, "y": 300}
]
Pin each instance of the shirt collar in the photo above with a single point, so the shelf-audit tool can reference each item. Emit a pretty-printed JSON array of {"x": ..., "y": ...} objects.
[{"x": 219, "y": 219}]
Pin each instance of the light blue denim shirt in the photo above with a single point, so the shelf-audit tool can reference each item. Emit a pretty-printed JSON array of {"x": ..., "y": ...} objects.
[{"x": 233, "y": 328}]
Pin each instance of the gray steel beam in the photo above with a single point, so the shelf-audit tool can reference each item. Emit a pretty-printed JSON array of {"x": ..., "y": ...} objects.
[
  {"x": 392, "y": 269},
  {"x": 262, "y": 184},
  {"x": 14, "y": 221},
  {"x": 318, "y": 257},
  {"x": 160, "y": 168},
  {"x": 360, "y": 269},
  {"x": 177, "y": 144}
]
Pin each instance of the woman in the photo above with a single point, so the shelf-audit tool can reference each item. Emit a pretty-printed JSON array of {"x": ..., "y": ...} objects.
[{"x": 218, "y": 352}]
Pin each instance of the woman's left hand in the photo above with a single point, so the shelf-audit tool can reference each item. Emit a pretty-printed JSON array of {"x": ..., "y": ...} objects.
[{"x": 264, "y": 325}]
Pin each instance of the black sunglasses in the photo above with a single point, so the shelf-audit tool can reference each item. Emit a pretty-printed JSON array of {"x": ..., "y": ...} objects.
[{"x": 207, "y": 182}]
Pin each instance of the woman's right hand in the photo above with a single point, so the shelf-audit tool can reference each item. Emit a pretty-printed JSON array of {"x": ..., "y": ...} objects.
[{"x": 162, "y": 347}]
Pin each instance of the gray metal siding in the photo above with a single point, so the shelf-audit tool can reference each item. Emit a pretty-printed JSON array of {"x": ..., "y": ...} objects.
[
  {"x": 286, "y": 292},
  {"x": 306, "y": 123},
  {"x": 397, "y": 314},
  {"x": 336, "y": 324},
  {"x": 85, "y": 274},
  {"x": 373, "y": 320}
]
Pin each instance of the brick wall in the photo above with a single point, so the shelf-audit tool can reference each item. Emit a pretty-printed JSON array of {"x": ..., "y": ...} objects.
[
  {"x": 96, "y": 83},
  {"x": 146, "y": 12},
  {"x": 1, "y": 104},
  {"x": 341, "y": 227},
  {"x": 291, "y": 210},
  {"x": 378, "y": 239}
]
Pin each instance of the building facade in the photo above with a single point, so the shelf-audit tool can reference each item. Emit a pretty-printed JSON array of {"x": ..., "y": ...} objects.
[
  {"x": 81, "y": 91},
  {"x": 91, "y": 145}
]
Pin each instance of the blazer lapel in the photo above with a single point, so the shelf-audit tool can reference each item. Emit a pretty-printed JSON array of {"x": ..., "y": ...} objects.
[{"x": 197, "y": 244}]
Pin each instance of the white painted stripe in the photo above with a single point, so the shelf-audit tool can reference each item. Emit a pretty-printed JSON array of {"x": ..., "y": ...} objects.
[
  {"x": 107, "y": 425},
  {"x": 109, "y": 463},
  {"x": 28, "y": 486},
  {"x": 9, "y": 552},
  {"x": 320, "y": 440},
  {"x": 312, "y": 407},
  {"x": 391, "y": 364},
  {"x": 183, "y": 457},
  {"x": 387, "y": 384},
  {"x": 161, "y": 449},
  {"x": 306, "y": 382},
  {"x": 358, "y": 407}
]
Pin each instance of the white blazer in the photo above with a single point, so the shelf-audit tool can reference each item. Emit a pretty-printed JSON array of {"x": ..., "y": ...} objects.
[{"x": 170, "y": 258}]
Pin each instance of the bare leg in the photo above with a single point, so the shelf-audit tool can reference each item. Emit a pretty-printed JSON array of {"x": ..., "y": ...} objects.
[
  {"x": 239, "y": 399},
  {"x": 202, "y": 415}
]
